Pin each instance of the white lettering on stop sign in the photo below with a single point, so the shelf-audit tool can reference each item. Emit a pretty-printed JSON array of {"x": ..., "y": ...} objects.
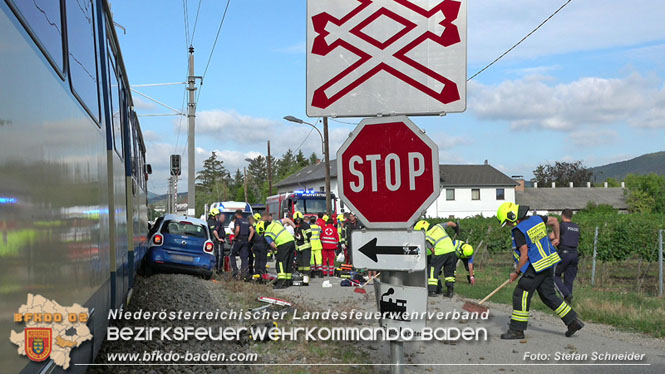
[{"x": 392, "y": 167}]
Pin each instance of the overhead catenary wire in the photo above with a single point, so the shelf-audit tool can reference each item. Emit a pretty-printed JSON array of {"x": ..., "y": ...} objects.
[
  {"x": 196, "y": 20},
  {"x": 214, "y": 44},
  {"x": 521, "y": 40},
  {"x": 185, "y": 14}
]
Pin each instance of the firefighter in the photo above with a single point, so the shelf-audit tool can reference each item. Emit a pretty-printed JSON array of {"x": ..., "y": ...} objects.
[
  {"x": 303, "y": 235},
  {"x": 279, "y": 238},
  {"x": 341, "y": 233},
  {"x": 317, "y": 248},
  {"x": 260, "y": 248},
  {"x": 464, "y": 252},
  {"x": 329, "y": 241},
  {"x": 536, "y": 258},
  {"x": 441, "y": 254}
]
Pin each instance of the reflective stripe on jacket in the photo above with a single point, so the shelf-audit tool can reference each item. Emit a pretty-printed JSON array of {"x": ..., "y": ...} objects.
[
  {"x": 315, "y": 239},
  {"x": 542, "y": 254},
  {"x": 439, "y": 240},
  {"x": 278, "y": 233}
]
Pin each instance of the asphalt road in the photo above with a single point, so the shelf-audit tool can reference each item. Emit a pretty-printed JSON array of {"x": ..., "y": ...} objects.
[{"x": 545, "y": 336}]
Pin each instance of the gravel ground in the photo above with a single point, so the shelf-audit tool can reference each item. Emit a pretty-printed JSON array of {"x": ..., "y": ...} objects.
[{"x": 174, "y": 292}]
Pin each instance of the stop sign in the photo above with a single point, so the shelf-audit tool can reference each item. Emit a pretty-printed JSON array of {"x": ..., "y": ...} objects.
[{"x": 388, "y": 172}]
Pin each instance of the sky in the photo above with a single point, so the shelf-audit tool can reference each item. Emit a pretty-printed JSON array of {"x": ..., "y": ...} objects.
[{"x": 589, "y": 85}]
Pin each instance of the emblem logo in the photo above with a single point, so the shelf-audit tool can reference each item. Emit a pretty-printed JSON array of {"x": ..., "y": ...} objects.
[{"x": 38, "y": 343}]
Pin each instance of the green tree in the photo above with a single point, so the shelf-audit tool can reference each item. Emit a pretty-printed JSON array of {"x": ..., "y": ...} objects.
[
  {"x": 213, "y": 172},
  {"x": 612, "y": 182},
  {"x": 646, "y": 193},
  {"x": 313, "y": 159},
  {"x": 562, "y": 173},
  {"x": 301, "y": 160},
  {"x": 286, "y": 165}
]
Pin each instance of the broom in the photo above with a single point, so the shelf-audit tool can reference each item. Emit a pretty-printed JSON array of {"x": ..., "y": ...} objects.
[
  {"x": 360, "y": 289},
  {"x": 479, "y": 307}
]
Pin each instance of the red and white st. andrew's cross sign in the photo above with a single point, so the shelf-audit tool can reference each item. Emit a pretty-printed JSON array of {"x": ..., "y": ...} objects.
[
  {"x": 369, "y": 57},
  {"x": 388, "y": 172}
]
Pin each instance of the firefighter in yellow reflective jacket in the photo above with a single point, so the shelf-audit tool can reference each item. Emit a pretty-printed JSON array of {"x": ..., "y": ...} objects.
[
  {"x": 303, "y": 234},
  {"x": 536, "y": 258},
  {"x": 341, "y": 232},
  {"x": 281, "y": 240},
  {"x": 441, "y": 255},
  {"x": 316, "y": 260}
]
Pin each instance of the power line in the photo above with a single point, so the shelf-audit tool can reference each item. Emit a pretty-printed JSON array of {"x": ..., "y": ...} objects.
[
  {"x": 196, "y": 20},
  {"x": 346, "y": 123},
  {"x": 304, "y": 140},
  {"x": 185, "y": 14},
  {"x": 521, "y": 40},
  {"x": 219, "y": 29}
]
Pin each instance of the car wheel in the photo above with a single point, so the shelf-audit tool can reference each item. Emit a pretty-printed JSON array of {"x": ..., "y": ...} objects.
[{"x": 207, "y": 275}]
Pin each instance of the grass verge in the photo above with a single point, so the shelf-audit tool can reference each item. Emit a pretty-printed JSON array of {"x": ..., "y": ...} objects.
[{"x": 618, "y": 306}]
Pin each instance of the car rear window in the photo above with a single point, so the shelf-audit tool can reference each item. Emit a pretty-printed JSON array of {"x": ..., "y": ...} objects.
[{"x": 184, "y": 228}]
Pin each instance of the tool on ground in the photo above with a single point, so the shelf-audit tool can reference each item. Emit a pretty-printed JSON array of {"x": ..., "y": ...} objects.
[
  {"x": 270, "y": 301},
  {"x": 479, "y": 307},
  {"x": 361, "y": 288}
]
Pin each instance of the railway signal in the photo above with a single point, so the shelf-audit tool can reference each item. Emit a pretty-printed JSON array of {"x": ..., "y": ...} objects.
[{"x": 175, "y": 165}]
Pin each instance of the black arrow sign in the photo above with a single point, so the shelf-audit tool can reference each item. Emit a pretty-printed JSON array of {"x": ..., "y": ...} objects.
[{"x": 370, "y": 249}]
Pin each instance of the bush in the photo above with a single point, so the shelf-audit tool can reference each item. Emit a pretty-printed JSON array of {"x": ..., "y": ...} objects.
[{"x": 620, "y": 236}]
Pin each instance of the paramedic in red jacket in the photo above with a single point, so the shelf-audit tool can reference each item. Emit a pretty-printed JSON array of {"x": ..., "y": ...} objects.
[{"x": 329, "y": 241}]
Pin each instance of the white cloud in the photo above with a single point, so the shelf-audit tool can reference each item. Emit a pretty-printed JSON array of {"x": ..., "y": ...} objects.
[
  {"x": 537, "y": 102},
  {"x": 496, "y": 25},
  {"x": 299, "y": 48},
  {"x": 141, "y": 104},
  {"x": 232, "y": 128},
  {"x": 151, "y": 136},
  {"x": 593, "y": 137}
]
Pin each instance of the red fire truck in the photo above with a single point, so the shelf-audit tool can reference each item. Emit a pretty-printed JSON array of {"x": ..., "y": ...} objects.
[{"x": 310, "y": 203}]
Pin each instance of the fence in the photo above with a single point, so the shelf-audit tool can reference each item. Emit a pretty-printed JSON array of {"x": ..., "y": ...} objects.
[{"x": 604, "y": 238}]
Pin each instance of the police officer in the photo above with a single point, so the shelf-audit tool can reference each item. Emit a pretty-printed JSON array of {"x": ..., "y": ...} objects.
[
  {"x": 570, "y": 239},
  {"x": 283, "y": 242},
  {"x": 441, "y": 253},
  {"x": 220, "y": 236},
  {"x": 303, "y": 234},
  {"x": 535, "y": 257},
  {"x": 243, "y": 235},
  {"x": 316, "y": 261}
]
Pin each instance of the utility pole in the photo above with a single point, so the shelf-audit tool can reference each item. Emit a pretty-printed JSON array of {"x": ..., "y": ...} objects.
[
  {"x": 327, "y": 155},
  {"x": 244, "y": 170},
  {"x": 191, "y": 117},
  {"x": 269, "y": 160}
]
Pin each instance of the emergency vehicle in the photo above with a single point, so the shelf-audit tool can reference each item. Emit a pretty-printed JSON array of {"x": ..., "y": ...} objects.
[
  {"x": 310, "y": 203},
  {"x": 228, "y": 209}
]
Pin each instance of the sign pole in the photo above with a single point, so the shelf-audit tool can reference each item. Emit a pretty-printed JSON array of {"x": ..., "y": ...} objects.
[
  {"x": 327, "y": 160},
  {"x": 397, "y": 347}
]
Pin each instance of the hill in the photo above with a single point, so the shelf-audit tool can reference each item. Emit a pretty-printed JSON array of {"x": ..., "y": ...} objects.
[
  {"x": 645, "y": 164},
  {"x": 154, "y": 198}
]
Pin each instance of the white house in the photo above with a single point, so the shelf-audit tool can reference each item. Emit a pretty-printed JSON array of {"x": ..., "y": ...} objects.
[
  {"x": 470, "y": 190},
  {"x": 466, "y": 190}
]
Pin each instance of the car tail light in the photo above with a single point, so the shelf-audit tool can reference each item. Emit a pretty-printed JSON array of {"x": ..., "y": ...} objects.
[
  {"x": 158, "y": 239},
  {"x": 208, "y": 247}
]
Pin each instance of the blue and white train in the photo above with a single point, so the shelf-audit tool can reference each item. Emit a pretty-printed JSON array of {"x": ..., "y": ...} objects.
[{"x": 73, "y": 177}]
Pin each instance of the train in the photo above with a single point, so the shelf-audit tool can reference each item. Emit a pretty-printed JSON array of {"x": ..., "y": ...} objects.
[{"x": 73, "y": 172}]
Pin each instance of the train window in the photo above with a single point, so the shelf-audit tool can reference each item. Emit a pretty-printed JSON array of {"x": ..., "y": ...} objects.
[
  {"x": 82, "y": 56},
  {"x": 43, "y": 19},
  {"x": 115, "y": 110}
]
